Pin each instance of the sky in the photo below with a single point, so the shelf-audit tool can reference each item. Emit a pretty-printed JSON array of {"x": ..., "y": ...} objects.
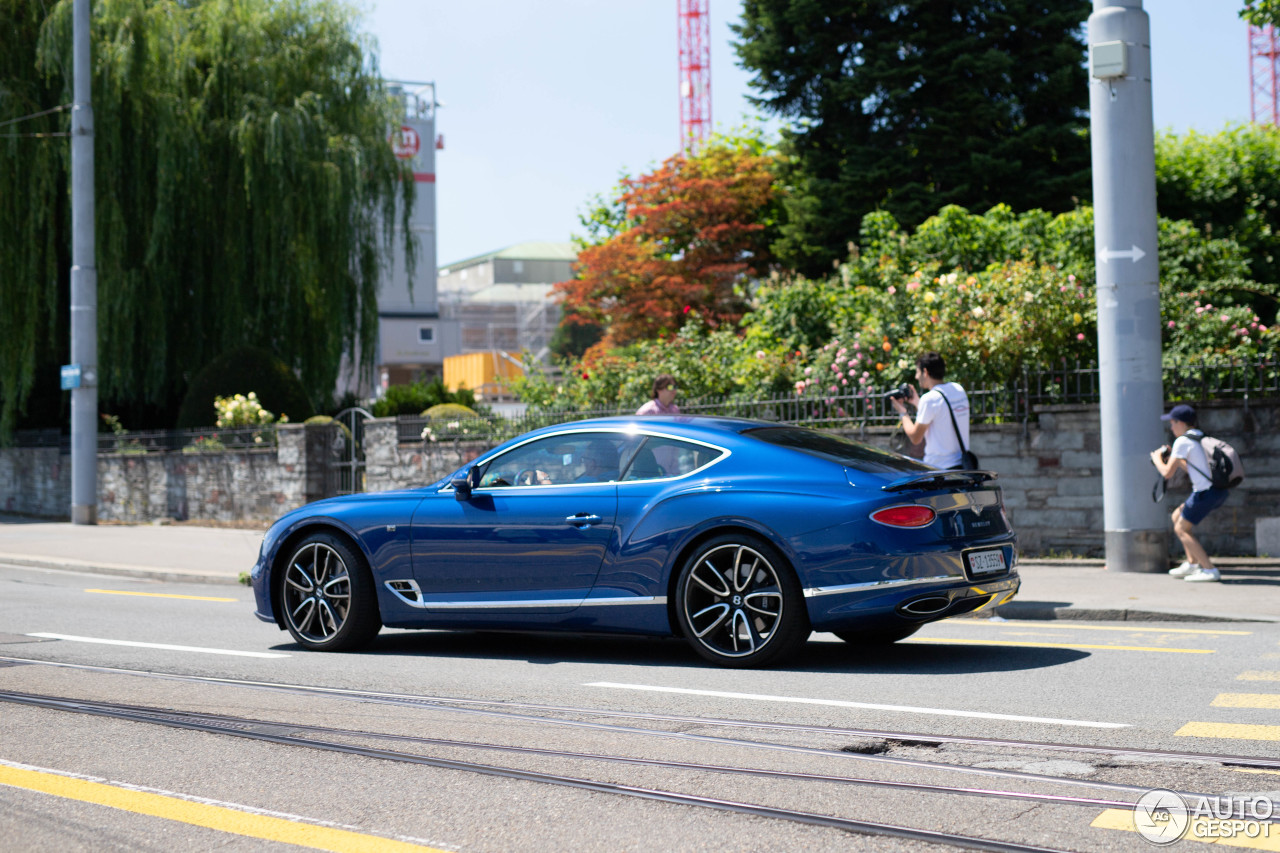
[{"x": 546, "y": 104}]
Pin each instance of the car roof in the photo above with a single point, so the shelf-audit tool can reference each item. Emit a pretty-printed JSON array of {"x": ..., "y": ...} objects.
[{"x": 691, "y": 425}]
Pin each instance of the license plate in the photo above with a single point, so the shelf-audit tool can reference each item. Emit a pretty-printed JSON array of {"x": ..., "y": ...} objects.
[{"x": 986, "y": 562}]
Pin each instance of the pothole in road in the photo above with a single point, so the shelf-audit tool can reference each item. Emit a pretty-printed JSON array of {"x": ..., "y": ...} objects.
[{"x": 879, "y": 747}]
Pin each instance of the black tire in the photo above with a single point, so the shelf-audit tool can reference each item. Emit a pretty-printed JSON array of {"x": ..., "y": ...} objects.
[
  {"x": 327, "y": 595},
  {"x": 882, "y": 637},
  {"x": 739, "y": 604}
]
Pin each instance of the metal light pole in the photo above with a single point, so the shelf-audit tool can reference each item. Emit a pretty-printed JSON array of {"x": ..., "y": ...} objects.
[
  {"x": 84, "y": 286},
  {"x": 1124, "y": 199}
]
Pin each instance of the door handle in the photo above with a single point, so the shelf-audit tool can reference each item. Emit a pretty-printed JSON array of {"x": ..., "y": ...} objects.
[{"x": 583, "y": 519}]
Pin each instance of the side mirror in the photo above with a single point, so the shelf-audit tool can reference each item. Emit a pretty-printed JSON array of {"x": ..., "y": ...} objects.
[{"x": 462, "y": 486}]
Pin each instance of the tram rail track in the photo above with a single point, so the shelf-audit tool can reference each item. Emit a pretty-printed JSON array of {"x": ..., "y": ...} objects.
[
  {"x": 237, "y": 727},
  {"x": 327, "y": 738},
  {"x": 447, "y": 702}
]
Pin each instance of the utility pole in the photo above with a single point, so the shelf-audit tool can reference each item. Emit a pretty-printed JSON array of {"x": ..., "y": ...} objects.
[
  {"x": 1128, "y": 290},
  {"x": 82, "y": 377}
]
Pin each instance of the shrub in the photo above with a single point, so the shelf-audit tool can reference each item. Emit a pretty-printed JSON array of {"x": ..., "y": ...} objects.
[
  {"x": 242, "y": 411},
  {"x": 450, "y": 412},
  {"x": 231, "y": 373},
  {"x": 325, "y": 419},
  {"x": 413, "y": 399}
]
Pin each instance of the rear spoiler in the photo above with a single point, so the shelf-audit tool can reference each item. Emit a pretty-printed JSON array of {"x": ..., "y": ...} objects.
[{"x": 938, "y": 480}]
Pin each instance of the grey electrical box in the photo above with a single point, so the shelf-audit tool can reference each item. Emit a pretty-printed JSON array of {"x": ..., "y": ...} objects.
[{"x": 1109, "y": 59}]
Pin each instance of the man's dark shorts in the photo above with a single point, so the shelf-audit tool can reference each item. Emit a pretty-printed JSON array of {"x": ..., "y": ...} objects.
[{"x": 1202, "y": 503}]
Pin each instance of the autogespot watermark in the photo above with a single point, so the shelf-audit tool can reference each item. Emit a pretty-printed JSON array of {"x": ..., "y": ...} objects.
[{"x": 1163, "y": 817}]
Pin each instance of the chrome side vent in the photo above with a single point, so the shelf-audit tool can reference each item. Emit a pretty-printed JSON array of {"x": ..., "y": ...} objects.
[{"x": 406, "y": 591}]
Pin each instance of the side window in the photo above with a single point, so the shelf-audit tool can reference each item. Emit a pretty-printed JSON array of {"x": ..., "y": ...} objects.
[
  {"x": 662, "y": 457},
  {"x": 557, "y": 460}
]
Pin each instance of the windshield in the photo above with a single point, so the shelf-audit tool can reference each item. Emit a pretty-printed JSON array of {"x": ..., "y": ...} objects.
[{"x": 853, "y": 454}]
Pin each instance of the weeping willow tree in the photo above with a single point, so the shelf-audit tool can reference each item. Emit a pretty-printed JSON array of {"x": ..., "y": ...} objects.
[{"x": 246, "y": 194}]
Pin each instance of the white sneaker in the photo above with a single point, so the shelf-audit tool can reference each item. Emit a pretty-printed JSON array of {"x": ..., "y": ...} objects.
[
  {"x": 1203, "y": 576},
  {"x": 1185, "y": 569}
]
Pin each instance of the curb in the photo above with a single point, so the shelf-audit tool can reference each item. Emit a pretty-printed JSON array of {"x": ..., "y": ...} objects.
[{"x": 116, "y": 570}]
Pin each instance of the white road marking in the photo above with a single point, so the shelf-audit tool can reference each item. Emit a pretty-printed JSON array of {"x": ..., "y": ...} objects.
[
  {"x": 166, "y": 646},
  {"x": 840, "y": 703}
]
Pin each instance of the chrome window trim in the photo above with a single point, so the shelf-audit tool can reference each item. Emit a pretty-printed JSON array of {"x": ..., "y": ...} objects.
[
  {"x": 814, "y": 592},
  {"x": 536, "y": 603},
  {"x": 725, "y": 453}
]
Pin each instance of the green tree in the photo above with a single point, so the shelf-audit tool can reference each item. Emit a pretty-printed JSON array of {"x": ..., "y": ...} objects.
[
  {"x": 1260, "y": 13},
  {"x": 1228, "y": 182},
  {"x": 246, "y": 194},
  {"x": 910, "y": 105}
]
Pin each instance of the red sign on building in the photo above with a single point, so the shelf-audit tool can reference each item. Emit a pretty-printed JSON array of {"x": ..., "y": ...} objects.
[{"x": 405, "y": 142}]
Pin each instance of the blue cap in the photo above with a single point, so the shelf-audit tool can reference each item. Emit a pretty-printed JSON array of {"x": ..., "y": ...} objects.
[{"x": 1181, "y": 412}]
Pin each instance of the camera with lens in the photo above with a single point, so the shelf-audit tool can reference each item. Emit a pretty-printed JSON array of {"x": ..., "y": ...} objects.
[{"x": 902, "y": 392}]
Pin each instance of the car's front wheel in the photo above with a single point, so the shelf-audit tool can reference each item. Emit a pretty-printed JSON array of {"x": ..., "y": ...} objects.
[
  {"x": 328, "y": 596},
  {"x": 739, "y": 603}
]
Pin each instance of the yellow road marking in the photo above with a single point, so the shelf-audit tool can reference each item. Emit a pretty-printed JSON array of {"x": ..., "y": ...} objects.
[
  {"x": 1123, "y": 819},
  {"x": 1023, "y": 623},
  {"x": 1254, "y": 770},
  {"x": 1235, "y": 731},
  {"x": 1255, "y": 675},
  {"x": 1247, "y": 700},
  {"x": 1058, "y": 645},
  {"x": 159, "y": 595},
  {"x": 202, "y": 814}
]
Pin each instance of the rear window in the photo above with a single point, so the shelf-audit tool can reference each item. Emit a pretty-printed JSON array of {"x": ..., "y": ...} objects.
[{"x": 853, "y": 454}]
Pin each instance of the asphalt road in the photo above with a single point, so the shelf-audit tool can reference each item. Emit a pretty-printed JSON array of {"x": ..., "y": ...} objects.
[{"x": 90, "y": 775}]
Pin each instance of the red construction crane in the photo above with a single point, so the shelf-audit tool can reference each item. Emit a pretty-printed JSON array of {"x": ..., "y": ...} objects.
[
  {"x": 695, "y": 72},
  {"x": 1264, "y": 94}
]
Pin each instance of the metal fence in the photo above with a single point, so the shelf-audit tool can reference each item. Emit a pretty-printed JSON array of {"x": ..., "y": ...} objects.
[
  {"x": 207, "y": 440},
  {"x": 1012, "y": 403}
]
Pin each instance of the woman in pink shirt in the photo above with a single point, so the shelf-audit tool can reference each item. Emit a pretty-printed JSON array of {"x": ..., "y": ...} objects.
[{"x": 664, "y": 396}]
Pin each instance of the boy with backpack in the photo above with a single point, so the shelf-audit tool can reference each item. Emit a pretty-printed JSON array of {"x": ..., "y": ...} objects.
[{"x": 1209, "y": 484}]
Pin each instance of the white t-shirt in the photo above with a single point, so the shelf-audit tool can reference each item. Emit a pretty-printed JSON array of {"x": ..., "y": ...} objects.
[
  {"x": 1190, "y": 450},
  {"x": 941, "y": 449}
]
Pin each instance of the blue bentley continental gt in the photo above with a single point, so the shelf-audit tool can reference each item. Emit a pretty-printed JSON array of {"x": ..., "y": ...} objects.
[{"x": 740, "y": 536}]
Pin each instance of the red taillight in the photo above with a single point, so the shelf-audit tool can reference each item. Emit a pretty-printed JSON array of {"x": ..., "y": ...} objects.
[{"x": 910, "y": 515}]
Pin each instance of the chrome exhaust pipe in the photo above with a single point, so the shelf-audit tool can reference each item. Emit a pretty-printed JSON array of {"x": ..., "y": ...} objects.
[{"x": 930, "y": 605}]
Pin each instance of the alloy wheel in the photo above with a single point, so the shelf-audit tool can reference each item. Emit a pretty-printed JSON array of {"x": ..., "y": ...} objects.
[
  {"x": 733, "y": 601},
  {"x": 317, "y": 592}
]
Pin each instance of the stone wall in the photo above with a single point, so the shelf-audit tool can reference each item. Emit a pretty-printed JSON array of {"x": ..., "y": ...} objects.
[
  {"x": 1052, "y": 478},
  {"x": 1050, "y": 472},
  {"x": 392, "y": 465},
  {"x": 35, "y": 481},
  {"x": 233, "y": 485}
]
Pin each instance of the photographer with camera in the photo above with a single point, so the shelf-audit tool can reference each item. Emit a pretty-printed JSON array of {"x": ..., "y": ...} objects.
[
  {"x": 1187, "y": 455},
  {"x": 942, "y": 414}
]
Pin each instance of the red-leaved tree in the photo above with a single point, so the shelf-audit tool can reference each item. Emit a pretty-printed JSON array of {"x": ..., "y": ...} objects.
[{"x": 685, "y": 237}]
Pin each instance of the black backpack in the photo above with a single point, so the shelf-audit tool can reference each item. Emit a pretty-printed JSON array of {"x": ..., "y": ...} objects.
[{"x": 1225, "y": 470}]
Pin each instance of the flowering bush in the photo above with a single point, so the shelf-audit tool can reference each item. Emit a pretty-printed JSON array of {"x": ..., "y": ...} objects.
[
  {"x": 205, "y": 444},
  {"x": 243, "y": 411},
  {"x": 1196, "y": 330},
  {"x": 993, "y": 293},
  {"x": 705, "y": 362}
]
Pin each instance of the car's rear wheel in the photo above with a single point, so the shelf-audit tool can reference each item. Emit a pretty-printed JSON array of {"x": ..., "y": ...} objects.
[
  {"x": 328, "y": 596},
  {"x": 882, "y": 637},
  {"x": 739, "y": 603}
]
